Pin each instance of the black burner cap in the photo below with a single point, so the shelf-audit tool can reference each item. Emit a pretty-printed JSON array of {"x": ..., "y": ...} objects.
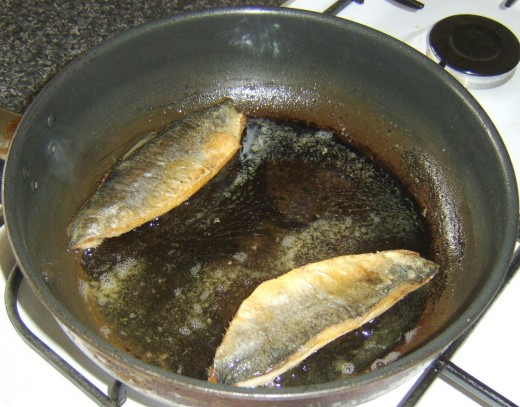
[{"x": 475, "y": 45}]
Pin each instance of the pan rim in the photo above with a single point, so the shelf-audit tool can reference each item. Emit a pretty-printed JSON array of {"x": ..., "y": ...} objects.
[{"x": 426, "y": 352}]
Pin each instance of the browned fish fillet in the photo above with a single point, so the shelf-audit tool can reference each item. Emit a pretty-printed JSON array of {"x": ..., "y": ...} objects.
[
  {"x": 288, "y": 318},
  {"x": 160, "y": 175}
]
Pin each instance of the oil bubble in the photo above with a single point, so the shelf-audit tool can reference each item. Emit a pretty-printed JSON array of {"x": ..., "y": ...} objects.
[
  {"x": 379, "y": 363},
  {"x": 348, "y": 368},
  {"x": 105, "y": 330},
  {"x": 183, "y": 330},
  {"x": 408, "y": 336},
  {"x": 240, "y": 257}
]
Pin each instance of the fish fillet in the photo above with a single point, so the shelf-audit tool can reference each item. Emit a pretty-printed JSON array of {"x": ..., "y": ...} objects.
[
  {"x": 288, "y": 318},
  {"x": 160, "y": 175}
]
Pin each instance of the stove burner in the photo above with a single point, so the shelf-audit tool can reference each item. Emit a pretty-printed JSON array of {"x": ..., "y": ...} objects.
[{"x": 476, "y": 46}]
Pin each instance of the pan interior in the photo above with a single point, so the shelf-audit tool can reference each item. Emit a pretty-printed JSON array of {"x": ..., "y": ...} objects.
[{"x": 293, "y": 195}]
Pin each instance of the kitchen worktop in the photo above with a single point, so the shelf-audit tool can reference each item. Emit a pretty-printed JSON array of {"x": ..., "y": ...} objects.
[{"x": 38, "y": 38}]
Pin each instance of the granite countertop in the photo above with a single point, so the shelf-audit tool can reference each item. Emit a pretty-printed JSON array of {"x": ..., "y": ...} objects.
[{"x": 38, "y": 38}]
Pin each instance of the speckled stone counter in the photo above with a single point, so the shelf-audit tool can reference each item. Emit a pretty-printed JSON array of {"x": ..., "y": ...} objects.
[{"x": 38, "y": 38}]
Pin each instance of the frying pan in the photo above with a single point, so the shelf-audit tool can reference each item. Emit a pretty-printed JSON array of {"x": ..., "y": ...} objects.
[{"x": 379, "y": 95}]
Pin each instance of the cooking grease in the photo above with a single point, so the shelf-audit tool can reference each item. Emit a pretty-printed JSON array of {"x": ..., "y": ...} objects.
[{"x": 293, "y": 195}]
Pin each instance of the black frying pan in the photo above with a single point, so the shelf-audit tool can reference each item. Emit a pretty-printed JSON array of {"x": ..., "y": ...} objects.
[{"x": 282, "y": 64}]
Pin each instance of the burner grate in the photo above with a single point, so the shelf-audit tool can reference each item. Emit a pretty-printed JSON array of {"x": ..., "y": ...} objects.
[
  {"x": 117, "y": 392},
  {"x": 443, "y": 368}
]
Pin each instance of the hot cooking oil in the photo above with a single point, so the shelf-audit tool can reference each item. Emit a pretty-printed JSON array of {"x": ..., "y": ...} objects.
[{"x": 293, "y": 195}]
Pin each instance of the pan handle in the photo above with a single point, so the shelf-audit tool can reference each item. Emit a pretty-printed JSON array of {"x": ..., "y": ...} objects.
[{"x": 8, "y": 123}]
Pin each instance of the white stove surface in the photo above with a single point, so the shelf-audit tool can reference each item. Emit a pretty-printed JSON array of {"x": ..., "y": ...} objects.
[{"x": 491, "y": 353}]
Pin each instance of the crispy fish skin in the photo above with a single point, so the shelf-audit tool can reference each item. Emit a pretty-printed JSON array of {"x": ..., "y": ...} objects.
[
  {"x": 288, "y": 318},
  {"x": 160, "y": 175}
]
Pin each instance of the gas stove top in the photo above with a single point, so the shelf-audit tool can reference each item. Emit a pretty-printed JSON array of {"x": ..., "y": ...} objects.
[{"x": 491, "y": 353}]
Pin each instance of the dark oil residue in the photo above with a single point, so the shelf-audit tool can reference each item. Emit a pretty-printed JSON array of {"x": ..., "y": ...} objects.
[{"x": 293, "y": 195}]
